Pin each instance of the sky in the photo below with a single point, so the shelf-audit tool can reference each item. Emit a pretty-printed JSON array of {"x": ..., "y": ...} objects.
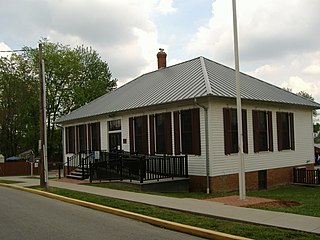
[{"x": 279, "y": 41}]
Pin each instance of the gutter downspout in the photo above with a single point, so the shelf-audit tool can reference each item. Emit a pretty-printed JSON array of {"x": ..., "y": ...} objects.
[{"x": 207, "y": 143}]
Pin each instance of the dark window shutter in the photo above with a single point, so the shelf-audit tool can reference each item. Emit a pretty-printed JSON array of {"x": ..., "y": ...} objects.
[
  {"x": 94, "y": 136},
  {"x": 77, "y": 148},
  {"x": 270, "y": 131},
  {"x": 82, "y": 137},
  {"x": 279, "y": 130},
  {"x": 90, "y": 136},
  {"x": 255, "y": 122},
  {"x": 131, "y": 137},
  {"x": 291, "y": 127},
  {"x": 195, "y": 114},
  {"x": 70, "y": 139},
  {"x": 152, "y": 143},
  {"x": 245, "y": 131},
  {"x": 98, "y": 147},
  {"x": 177, "y": 146},
  {"x": 227, "y": 130},
  {"x": 67, "y": 140},
  {"x": 73, "y": 139},
  {"x": 145, "y": 147},
  {"x": 168, "y": 133}
]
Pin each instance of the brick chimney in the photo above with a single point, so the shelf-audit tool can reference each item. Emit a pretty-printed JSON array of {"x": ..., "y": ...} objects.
[{"x": 162, "y": 58}]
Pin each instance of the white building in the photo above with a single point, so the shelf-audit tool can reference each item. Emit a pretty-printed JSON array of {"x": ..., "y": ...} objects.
[{"x": 165, "y": 111}]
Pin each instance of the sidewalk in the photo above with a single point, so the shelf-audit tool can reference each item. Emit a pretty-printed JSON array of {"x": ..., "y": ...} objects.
[{"x": 210, "y": 208}]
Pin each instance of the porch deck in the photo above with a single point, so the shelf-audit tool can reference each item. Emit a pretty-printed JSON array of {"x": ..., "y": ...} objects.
[{"x": 146, "y": 170}]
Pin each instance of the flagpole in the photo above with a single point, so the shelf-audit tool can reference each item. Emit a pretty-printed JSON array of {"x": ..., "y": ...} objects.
[{"x": 242, "y": 183}]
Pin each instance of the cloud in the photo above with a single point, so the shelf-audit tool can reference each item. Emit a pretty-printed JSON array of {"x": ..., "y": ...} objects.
[
  {"x": 121, "y": 31},
  {"x": 297, "y": 84},
  {"x": 165, "y": 7},
  {"x": 312, "y": 69},
  {"x": 278, "y": 41},
  {"x": 267, "y": 29}
]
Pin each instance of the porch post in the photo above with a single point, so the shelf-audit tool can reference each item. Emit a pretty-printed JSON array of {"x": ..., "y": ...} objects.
[
  {"x": 68, "y": 165},
  {"x": 186, "y": 165}
]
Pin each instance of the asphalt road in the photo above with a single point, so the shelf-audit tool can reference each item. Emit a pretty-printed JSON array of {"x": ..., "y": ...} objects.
[{"x": 28, "y": 216}]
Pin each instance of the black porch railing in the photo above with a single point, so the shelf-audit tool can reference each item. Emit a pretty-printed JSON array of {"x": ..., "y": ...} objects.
[
  {"x": 82, "y": 161},
  {"x": 302, "y": 175},
  {"x": 123, "y": 165}
]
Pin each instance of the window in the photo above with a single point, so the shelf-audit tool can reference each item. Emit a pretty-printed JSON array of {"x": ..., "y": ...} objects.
[
  {"x": 138, "y": 133},
  {"x": 82, "y": 137},
  {"x": 187, "y": 132},
  {"x": 285, "y": 131},
  {"x": 160, "y": 147},
  {"x": 160, "y": 133},
  {"x": 70, "y": 140},
  {"x": 94, "y": 136},
  {"x": 262, "y": 130},
  {"x": 114, "y": 125},
  {"x": 231, "y": 130}
]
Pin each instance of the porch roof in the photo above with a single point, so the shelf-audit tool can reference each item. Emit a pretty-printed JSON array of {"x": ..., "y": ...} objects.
[{"x": 195, "y": 78}]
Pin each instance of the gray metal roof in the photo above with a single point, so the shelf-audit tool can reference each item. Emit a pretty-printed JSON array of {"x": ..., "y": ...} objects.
[{"x": 194, "y": 78}]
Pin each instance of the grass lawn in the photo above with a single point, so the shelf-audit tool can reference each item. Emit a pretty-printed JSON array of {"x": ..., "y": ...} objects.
[
  {"x": 9, "y": 181},
  {"x": 307, "y": 197},
  {"x": 235, "y": 228}
]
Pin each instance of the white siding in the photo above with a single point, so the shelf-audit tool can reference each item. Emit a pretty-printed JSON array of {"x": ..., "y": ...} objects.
[
  {"x": 196, "y": 164},
  {"x": 104, "y": 134},
  {"x": 125, "y": 133},
  {"x": 222, "y": 164}
]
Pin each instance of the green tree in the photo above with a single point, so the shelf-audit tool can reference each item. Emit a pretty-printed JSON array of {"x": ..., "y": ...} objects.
[
  {"x": 18, "y": 106},
  {"x": 74, "y": 77}
]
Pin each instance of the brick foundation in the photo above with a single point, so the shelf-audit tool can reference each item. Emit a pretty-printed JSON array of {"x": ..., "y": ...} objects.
[{"x": 230, "y": 183}]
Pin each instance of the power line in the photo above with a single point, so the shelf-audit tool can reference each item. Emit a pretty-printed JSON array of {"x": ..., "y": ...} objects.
[{"x": 20, "y": 50}]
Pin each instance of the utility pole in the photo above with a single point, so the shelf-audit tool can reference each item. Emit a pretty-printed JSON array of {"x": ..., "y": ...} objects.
[
  {"x": 242, "y": 179},
  {"x": 43, "y": 165}
]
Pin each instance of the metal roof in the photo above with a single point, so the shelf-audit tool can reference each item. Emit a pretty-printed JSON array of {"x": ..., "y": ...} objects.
[{"x": 194, "y": 78}]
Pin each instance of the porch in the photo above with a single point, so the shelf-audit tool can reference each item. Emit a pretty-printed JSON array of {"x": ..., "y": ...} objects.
[{"x": 145, "y": 172}]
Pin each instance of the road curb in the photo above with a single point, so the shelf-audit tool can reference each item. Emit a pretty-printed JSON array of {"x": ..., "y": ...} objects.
[{"x": 200, "y": 232}]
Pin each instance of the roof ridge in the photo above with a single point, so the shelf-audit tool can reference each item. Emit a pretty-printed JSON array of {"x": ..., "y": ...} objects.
[{"x": 206, "y": 77}]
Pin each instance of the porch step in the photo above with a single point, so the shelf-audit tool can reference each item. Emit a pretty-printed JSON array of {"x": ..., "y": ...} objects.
[{"x": 78, "y": 174}]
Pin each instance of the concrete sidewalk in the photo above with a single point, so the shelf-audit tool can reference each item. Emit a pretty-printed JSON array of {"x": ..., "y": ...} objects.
[{"x": 210, "y": 208}]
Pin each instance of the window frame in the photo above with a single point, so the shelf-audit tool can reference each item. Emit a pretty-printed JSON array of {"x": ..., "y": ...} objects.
[
  {"x": 70, "y": 139},
  {"x": 182, "y": 133},
  {"x": 94, "y": 136},
  {"x": 138, "y": 137},
  {"x": 265, "y": 132},
  {"x": 285, "y": 131},
  {"x": 114, "y": 125},
  {"x": 81, "y": 137},
  {"x": 229, "y": 134},
  {"x": 160, "y": 133}
]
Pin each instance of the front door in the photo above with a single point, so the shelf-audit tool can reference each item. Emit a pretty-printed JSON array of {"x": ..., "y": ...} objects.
[{"x": 114, "y": 141}]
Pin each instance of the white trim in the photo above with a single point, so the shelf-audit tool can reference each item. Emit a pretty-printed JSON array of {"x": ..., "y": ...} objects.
[{"x": 205, "y": 75}]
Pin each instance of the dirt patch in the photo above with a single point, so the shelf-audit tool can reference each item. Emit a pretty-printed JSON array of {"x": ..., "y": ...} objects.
[
  {"x": 254, "y": 202},
  {"x": 276, "y": 204}
]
